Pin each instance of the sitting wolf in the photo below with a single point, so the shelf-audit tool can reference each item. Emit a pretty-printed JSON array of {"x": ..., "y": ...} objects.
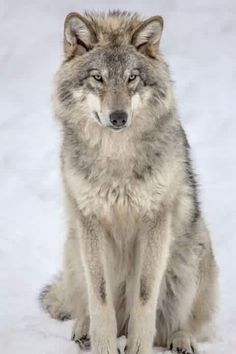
[{"x": 138, "y": 258}]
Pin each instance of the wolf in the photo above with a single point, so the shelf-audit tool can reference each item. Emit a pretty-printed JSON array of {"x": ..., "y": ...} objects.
[{"x": 138, "y": 256}]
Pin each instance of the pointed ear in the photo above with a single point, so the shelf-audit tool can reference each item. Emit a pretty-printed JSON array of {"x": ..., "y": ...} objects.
[
  {"x": 146, "y": 37},
  {"x": 79, "y": 35}
]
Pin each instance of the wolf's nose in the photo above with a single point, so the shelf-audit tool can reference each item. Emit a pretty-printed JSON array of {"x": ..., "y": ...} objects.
[{"x": 118, "y": 118}]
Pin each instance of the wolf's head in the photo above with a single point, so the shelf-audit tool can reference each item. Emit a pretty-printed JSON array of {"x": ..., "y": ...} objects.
[{"x": 113, "y": 75}]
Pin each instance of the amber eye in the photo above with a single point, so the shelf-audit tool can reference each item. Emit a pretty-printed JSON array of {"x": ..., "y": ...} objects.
[
  {"x": 132, "y": 77},
  {"x": 98, "y": 77}
]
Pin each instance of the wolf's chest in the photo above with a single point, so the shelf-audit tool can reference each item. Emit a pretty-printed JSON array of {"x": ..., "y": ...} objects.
[{"x": 109, "y": 197}]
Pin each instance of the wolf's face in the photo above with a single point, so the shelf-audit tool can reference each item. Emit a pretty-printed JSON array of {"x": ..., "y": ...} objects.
[
  {"x": 113, "y": 70},
  {"x": 113, "y": 86}
]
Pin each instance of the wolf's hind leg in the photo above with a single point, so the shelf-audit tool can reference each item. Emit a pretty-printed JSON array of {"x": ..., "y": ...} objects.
[
  {"x": 66, "y": 297},
  {"x": 188, "y": 297},
  {"x": 205, "y": 304}
]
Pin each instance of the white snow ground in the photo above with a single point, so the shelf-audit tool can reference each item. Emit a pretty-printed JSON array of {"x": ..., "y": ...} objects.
[{"x": 200, "y": 43}]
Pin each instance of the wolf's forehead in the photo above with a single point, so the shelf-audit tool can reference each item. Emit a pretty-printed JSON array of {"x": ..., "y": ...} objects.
[{"x": 114, "y": 61}]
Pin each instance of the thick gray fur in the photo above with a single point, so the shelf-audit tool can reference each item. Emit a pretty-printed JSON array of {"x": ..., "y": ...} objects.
[{"x": 138, "y": 257}]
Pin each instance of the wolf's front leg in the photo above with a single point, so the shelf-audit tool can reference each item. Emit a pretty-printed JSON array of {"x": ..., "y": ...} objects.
[
  {"x": 103, "y": 328},
  {"x": 151, "y": 262}
]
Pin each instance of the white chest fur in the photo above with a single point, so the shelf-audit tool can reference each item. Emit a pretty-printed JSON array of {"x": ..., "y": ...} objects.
[{"x": 108, "y": 195}]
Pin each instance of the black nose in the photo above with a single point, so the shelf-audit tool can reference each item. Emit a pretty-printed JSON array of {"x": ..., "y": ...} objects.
[{"x": 118, "y": 118}]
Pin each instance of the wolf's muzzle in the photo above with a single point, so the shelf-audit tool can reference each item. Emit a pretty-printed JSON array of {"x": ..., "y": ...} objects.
[{"x": 118, "y": 119}]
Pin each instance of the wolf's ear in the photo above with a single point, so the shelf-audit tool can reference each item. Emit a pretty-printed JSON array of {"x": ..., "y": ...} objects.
[
  {"x": 79, "y": 36},
  {"x": 146, "y": 37}
]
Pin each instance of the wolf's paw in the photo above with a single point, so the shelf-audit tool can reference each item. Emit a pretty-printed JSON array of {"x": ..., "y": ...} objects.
[
  {"x": 182, "y": 342},
  {"x": 80, "y": 334},
  {"x": 51, "y": 303},
  {"x": 84, "y": 342}
]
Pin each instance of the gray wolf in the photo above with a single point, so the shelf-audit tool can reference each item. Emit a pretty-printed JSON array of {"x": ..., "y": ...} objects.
[{"x": 138, "y": 257}]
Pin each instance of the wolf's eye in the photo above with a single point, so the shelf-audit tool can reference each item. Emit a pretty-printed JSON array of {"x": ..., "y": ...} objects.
[
  {"x": 98, "y": 77},
  {"x": 132, "y": 77}
]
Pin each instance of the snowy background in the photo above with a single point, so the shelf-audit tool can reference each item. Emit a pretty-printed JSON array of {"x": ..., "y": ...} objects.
[{"x": 200, "y": 44}]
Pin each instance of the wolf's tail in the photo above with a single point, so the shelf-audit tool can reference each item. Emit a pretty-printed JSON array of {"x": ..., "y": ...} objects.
[{"x": 52, "y": 300}]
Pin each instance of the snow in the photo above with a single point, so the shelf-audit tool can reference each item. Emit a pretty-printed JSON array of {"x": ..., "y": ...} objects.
[{"x": 199, "y": 42}]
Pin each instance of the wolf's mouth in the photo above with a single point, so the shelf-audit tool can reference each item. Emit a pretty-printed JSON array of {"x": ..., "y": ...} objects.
[{"x": 116, "y": 128}]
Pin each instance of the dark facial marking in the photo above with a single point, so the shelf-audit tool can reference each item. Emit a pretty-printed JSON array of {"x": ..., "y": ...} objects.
[
  {"x": 65, "y": 93},
  {"x": 97, "y": 116}
]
